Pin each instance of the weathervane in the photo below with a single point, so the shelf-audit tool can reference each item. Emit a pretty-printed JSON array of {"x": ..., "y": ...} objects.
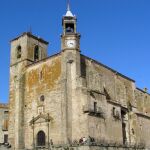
[
  {"x": 68, "y": 5},
  {"x": 30, "y": 29}
]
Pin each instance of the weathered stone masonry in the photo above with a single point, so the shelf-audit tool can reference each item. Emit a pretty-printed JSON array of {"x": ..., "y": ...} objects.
[
  {"x": 70, "y": 101},
  {"x": 4, "y": 123}
]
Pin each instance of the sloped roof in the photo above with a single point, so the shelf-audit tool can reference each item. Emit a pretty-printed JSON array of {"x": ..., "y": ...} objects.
[
  {"x": 116, "y": 72},
  {"x": 30, "y": 35},
  {"x": 47, "y": 118}
]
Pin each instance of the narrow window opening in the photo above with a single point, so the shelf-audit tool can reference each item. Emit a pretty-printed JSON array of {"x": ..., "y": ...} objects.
[
  {"x": 42, "y": 98},
  {"x": 95, "y": 106},
  {"x": 18, "y": 52},
  {"x": 36, "y": 53},
  {"x": 113, "y": 111},
  {"x": 5, "y": 138},
  {"x": 124, "y": 126}
]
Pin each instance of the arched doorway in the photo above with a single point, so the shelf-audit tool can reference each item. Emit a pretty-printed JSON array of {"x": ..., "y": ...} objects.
[{"x": 41, "y": 138}]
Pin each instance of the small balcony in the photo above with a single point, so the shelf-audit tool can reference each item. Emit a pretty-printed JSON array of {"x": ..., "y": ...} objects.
[{"x": 94, "y": 111}]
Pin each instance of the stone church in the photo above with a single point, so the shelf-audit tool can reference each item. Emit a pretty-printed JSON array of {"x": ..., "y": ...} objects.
[{"x": 69, "y": 101}]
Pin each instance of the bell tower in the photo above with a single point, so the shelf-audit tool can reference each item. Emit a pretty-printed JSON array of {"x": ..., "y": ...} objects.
[
  {"x": 71, "y": 74},
  {"x": 70, "y": 37},
  {"x": 26, "y": 49}
]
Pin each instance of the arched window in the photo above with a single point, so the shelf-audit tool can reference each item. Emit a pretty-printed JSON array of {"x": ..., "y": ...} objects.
[
  {"x": 18, "y": 52},
  {"x": 42, "y": 98},
  {"x": 41, "y": 138},
  {"x": 69, "y": 28},
  {"x": 36, "y": 53}
]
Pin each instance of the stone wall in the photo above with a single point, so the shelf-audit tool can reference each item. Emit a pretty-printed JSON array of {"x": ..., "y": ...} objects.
[
  {"x": 43, "y": 96},
  {"x": 71, "y": 97},
  {"x": 18, "y": 65},
  {"x": 111, "y": 91},
  {"x": 3, "y": 121}
]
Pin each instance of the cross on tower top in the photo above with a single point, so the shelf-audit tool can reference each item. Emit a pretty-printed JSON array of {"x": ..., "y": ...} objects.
[
  {"x": 68, "y": 5},
  {"x": 69, "y": 13}
]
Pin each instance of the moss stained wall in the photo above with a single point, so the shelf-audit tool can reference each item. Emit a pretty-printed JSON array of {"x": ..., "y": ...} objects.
[
  {"x": 43, "y": 79},
  {"x": 121, "y": 92},
  {"x": 143, "y": 101}
]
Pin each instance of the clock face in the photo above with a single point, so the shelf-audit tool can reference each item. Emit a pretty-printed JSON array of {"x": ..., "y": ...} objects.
[{"x": 71, "y": 43}]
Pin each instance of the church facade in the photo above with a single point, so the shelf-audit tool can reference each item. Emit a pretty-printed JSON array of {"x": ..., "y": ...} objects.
[{"x": 70, "y": 101}]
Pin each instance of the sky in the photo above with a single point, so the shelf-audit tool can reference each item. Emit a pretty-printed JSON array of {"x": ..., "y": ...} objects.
[{"x": 113, "y": 32}]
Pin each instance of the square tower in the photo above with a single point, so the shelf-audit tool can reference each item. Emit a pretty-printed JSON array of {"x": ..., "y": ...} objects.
[
  {"x": 28, "y": 47},
  {"x": 25, "y": 50}
]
